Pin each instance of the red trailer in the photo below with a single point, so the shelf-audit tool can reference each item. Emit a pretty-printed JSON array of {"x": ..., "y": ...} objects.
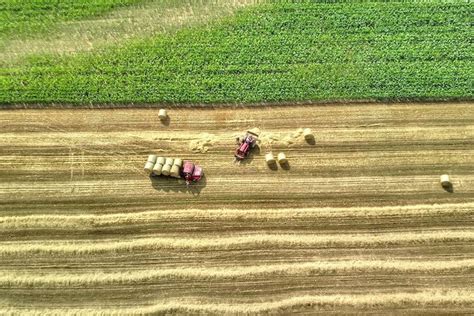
[
  {"x": 191, "y": 172},
  {"x": 197, "y": 173}
]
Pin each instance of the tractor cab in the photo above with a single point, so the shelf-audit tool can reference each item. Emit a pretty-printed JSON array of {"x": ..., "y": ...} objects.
[{"x": 245, "y": 144}]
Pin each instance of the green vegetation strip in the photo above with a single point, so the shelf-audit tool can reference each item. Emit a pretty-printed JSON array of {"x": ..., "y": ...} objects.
[{"x": 282, "y": 51}]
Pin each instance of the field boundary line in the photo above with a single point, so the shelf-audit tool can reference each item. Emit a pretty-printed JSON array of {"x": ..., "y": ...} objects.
[{"x": 263, "y": 105}]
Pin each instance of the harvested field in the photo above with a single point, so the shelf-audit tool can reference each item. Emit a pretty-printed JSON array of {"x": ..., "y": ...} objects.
[{"x": 357, "y": 222}]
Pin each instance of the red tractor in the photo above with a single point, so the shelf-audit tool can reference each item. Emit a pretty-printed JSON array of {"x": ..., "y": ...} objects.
[
  {"x": 245, "y": 144},
  {"x": 191, "y": 172}
]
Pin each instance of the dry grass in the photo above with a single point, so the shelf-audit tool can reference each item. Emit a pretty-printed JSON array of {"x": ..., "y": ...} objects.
[
  {"x": 252, "y": 241},
  {"x": 88, "y": 221},
  {"x": 359, "y": 223},
  {"x": 430, "y": 298},
  {"x": 317, "y": 267}
]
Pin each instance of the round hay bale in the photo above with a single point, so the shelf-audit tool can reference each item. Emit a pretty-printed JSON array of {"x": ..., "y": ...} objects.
[
  {"x": 157, "y": 168},
  {"x": 175, "y": 171},
  {"x": 444, "y": 180},
  {"x": 161, "y": 160},
  {"x": 269, "y": 158},
  {"x": 152, "y": 158},
  {"x": 282, "y": 158},
  {"x": 149, "y": 167},
  {"x": 169, "y": 161},
  {"x": 178, "y": 162},
  {"x": 307, "y": 133},
  {"x": 162, "y": 114},
  {"x": 166, "y": 170}
]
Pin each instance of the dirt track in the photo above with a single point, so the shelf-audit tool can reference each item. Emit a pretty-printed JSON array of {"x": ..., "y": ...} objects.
[{"x": 352, "y": 220}]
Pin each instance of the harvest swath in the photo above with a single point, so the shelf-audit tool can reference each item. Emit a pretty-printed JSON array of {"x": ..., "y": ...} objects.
[{"x": 358, "y": 223}]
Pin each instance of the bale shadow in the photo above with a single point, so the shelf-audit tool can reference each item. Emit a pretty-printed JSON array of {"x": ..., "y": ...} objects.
[
  {"x": 273, "y": 166},
  {"x": 311, "y": 140},
  {"x": 285, "y": 165},
  {"x": 448, "y": 188},
  {"x": 170, "y": 184},
  {"x": 166, "y": 121}
]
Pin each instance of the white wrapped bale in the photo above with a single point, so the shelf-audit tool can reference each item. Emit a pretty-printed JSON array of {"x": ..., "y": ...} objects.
[
  {"x": 150, "y": 164},
  {"x": 175, "y": 171},
  {"x": 149, "y": 167},
  {"x": 166, "y": 170},
  {"x": 178, "y": 162},
  {"x": 162, "y": 114},
  {"x": 157, "y": 168},
  {"x": 445, "y": 181},
  {"x": 161, "y": 160},
  {"x": 308, "y": 134},
  {"x": 270, "y": 159},
  {"x": 282, "y": 158},
  {"x": 169, "y": 161},
  {"x": 152, "y": 158}
]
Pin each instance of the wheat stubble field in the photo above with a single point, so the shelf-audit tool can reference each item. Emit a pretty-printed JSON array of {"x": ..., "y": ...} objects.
[{"x": 358, "y": 222}]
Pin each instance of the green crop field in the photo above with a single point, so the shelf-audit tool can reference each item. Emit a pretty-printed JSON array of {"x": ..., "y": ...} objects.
[
  {"x": 269, "y": 52},
  {"x": 278, "y": 51}
]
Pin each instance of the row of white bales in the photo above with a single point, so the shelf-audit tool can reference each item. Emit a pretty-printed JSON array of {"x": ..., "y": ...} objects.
[{"x": 164, "y": 166}]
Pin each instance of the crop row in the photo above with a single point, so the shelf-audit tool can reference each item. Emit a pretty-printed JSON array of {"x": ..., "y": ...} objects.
[
  {"x": 11, "y": 223},
  {"x": 430, "y": 298},
  {"x": 255, "y": 241},
  {"x": 15, "y": 279}
]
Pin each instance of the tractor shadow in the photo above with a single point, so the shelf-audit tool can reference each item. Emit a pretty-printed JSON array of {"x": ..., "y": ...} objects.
[
  {"x": 170, "y": 184},
  {"x": 252, "y": 154},
  {"x": 448, "y": 188}
]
